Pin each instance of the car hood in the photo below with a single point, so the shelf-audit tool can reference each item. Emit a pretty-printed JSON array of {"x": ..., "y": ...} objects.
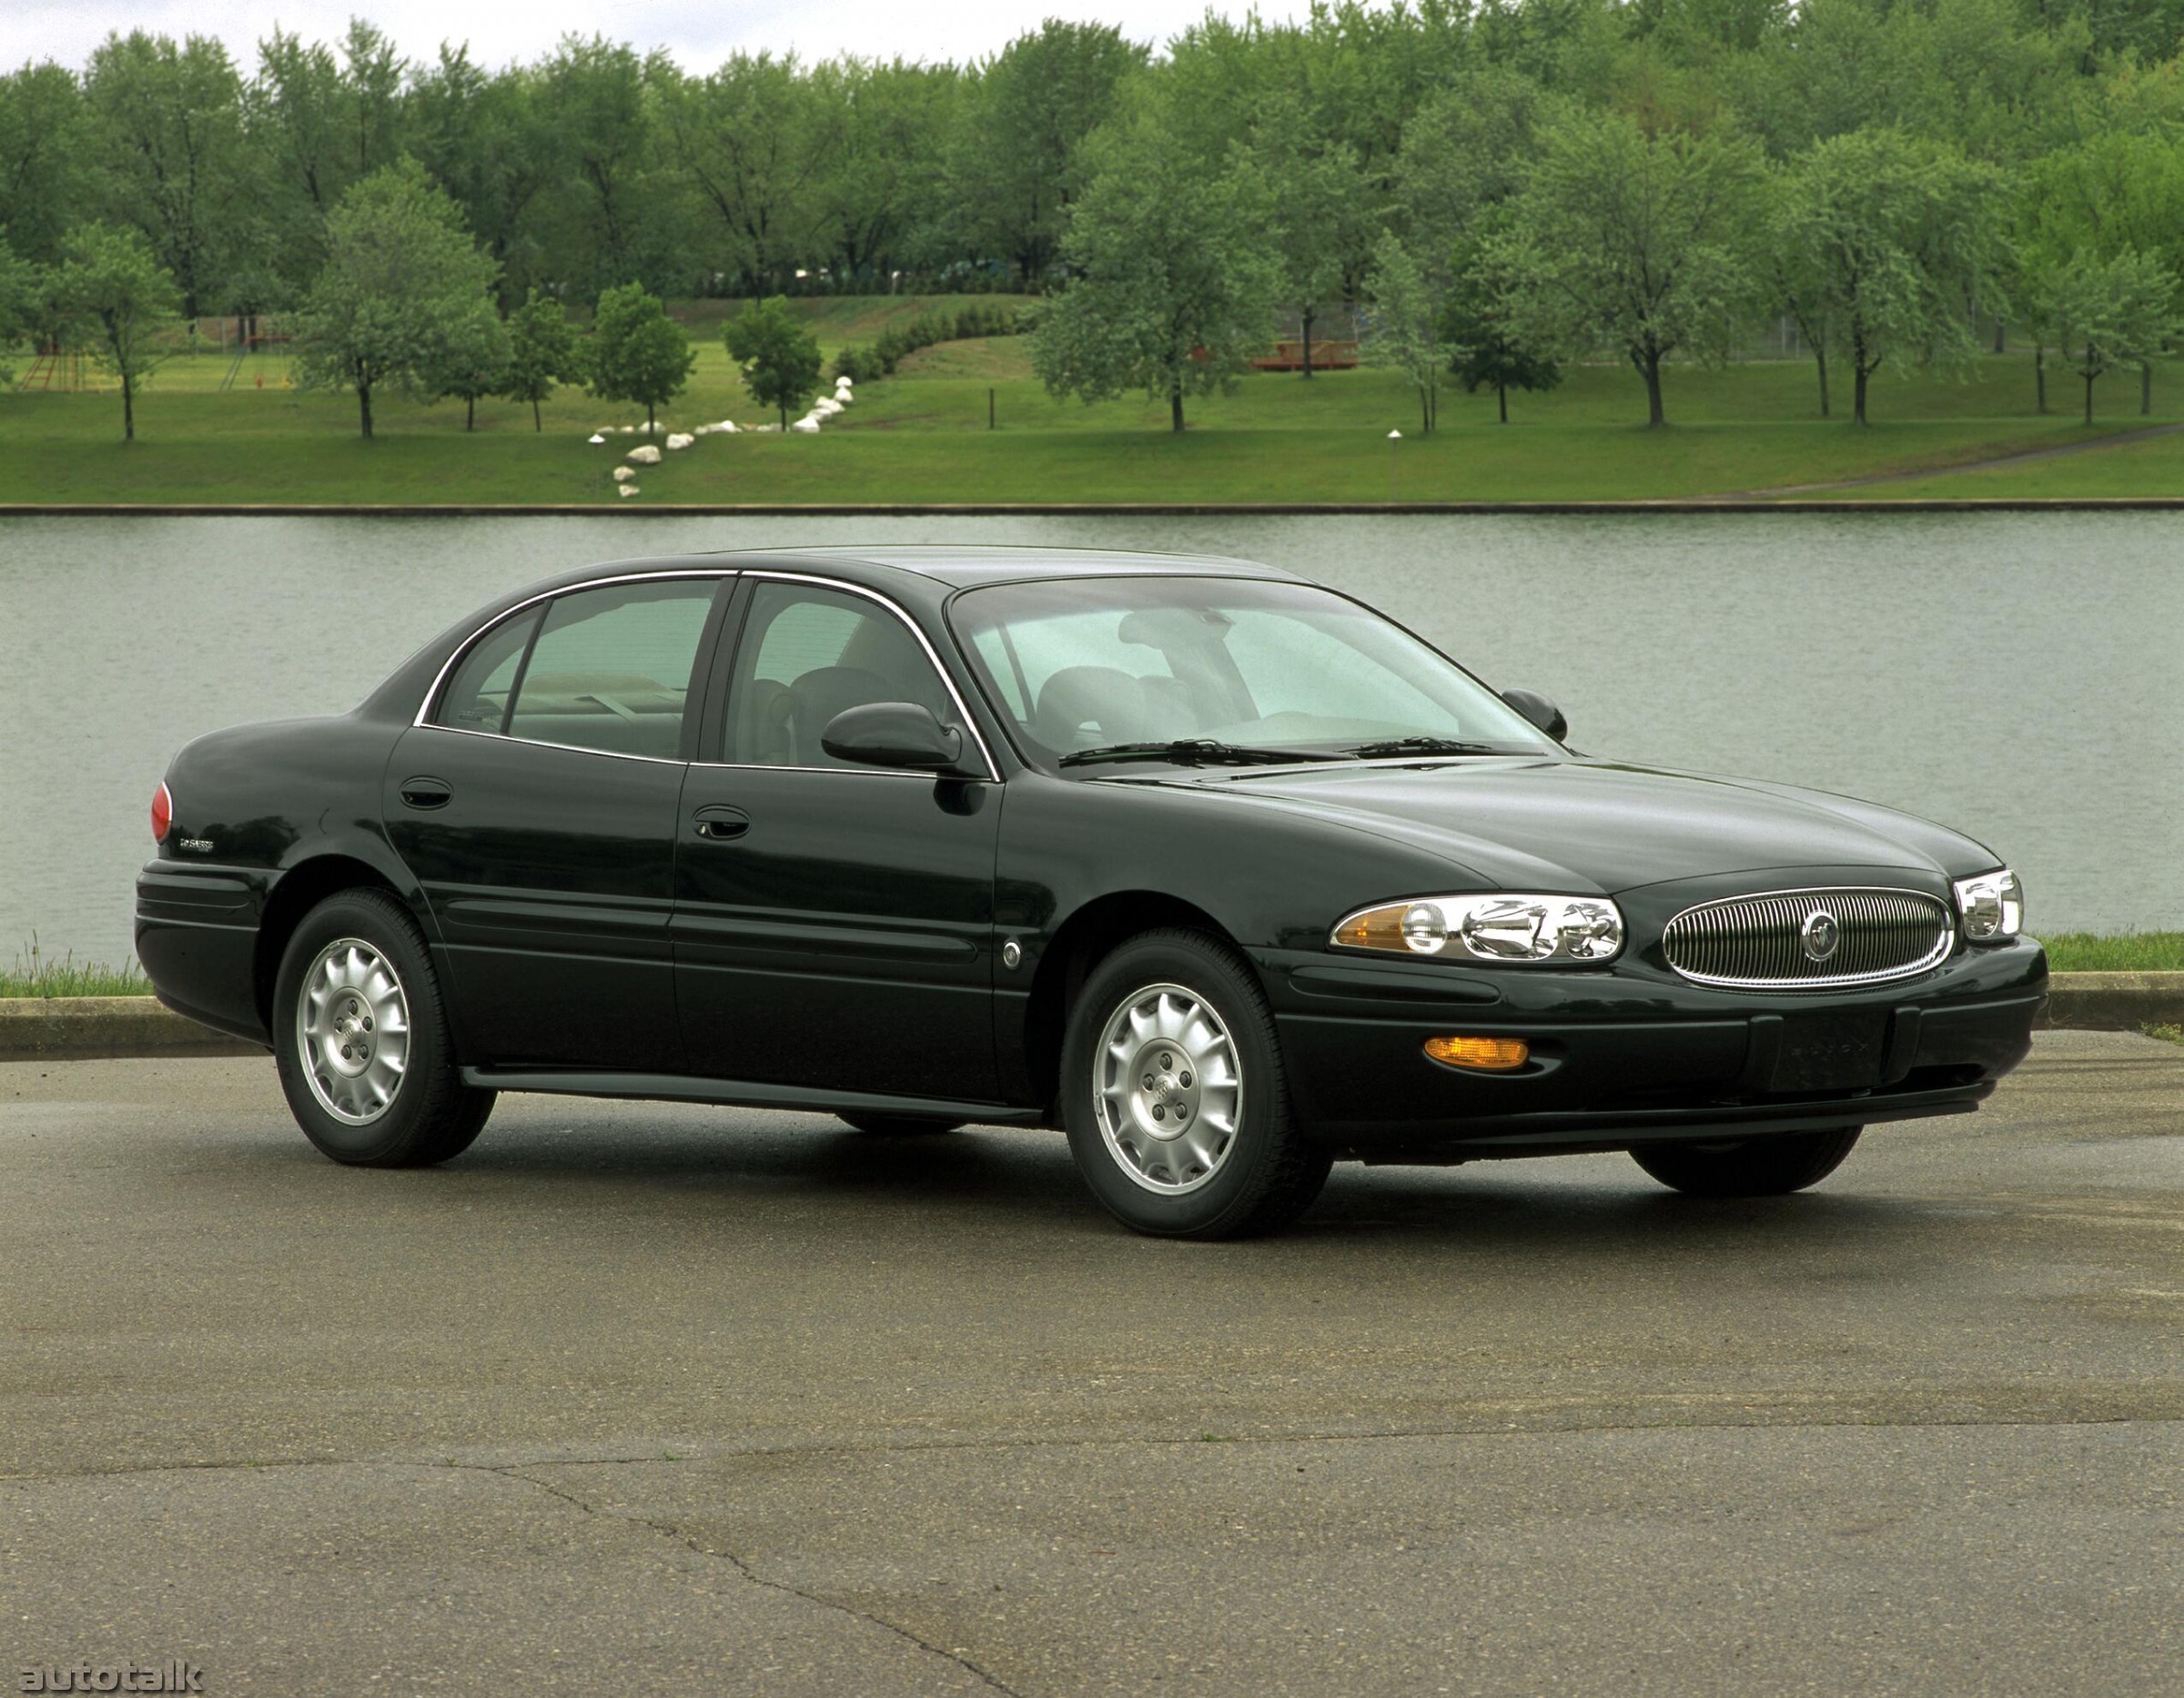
[{"x": 1597, "y": 826}]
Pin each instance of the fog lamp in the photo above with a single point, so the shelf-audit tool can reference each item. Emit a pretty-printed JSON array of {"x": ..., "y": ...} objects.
[{"x": 1482, "y": 1055}]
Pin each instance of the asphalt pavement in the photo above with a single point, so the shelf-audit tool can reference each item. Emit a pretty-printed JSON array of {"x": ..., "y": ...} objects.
[{"x": 648, "y": 1398}]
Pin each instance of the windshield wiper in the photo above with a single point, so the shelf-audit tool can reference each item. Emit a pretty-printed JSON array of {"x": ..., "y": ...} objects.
[
  {"x": 1190, "y": 751},
  {"x": 1423, "y": 745}
]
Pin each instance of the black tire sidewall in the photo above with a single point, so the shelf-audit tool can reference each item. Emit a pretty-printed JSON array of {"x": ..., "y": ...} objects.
[
  {"x": 423, "y": 1100},
  {"x": 1266, "y": 1134}
]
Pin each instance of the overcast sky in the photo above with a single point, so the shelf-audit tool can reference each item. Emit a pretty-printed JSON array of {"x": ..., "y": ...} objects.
[{"x": 698, "y": 33}]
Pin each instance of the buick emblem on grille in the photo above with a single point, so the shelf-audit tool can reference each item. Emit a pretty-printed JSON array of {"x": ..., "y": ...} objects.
[{"x": 1820, "y": 934}]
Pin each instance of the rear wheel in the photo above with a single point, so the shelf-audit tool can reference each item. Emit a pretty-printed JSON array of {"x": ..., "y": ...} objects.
[
  {"x": 1760, "y": 1167},
  {"x": 1174, "y": 1097},
  {"x": 361, "y": 1038},
  {"x": 897, "y": 1126}
]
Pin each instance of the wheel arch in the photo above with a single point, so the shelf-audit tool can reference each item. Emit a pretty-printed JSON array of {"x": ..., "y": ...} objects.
[
  {"x": 1078, "y": 945},
  {"x": 299, "y": 889}
]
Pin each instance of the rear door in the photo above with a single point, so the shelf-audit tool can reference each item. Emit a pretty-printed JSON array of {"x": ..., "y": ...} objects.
[
  {"x": 538, "y": 806},
  {"x": 835, "y": 924}
]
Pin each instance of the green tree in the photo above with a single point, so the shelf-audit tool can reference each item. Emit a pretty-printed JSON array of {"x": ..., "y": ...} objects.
[
  {"x": 1487, "y": 349},
  {"x": 115, "y": 297},
  {"x": 778, "y": 356},
  {"x": 168, "y": 155},
  {"x": 471, "y": 362},
  {"x": 2116, "y": 311},
  {"x": 21, "y": 288},
  {"x": 754, "y": 143},
  {"x": 1403, "y": 332},
  {"x": 403, "y": 290},
  {"x": 1019, "y": 160},
  {"x": 41, "y": 149},
  {"x": 1173, "y": 290},
  {"x": 492, "y": 143},
  {"x": 1318, "y": 209},
  {"x": 1643, "y": 244},
  {"x": 1882, "y": 239},
  {"x": 541, "y": 353},
  {"x": 638, "y": 353}
]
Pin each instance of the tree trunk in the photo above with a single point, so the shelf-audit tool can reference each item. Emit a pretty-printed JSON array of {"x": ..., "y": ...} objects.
[
  {"x": 1501, "y": 397},
  {"x": 2088, "y": 385},
  {"x": 650, "y": 422},
  {"x": 128, "y": 407},
  {"x": 2039, "y": 375},
  {"x": 1857, "y": 405},
  {"x": 2146, "y": 387},
  {"x": 1820, "y": 360},
  {"x": 1308, "y": 316},
  {"x": 2001, "y": 331},
  {"x": 536, "y": 422},
  {"x": 1648, "y": 367},
  {"x": 1174, "y": 407},
  {"x": 470, "y": 412},
  {"x": 364, "y": 406}
]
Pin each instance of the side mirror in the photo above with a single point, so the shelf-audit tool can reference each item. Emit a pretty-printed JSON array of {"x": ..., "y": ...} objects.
[
  {"x": 897, "y": 734},
  {"x": 1539, "y": 710}
]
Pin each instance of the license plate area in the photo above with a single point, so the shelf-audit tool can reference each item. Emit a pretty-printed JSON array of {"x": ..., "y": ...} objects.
[{"x": 1830, "y": 1052}]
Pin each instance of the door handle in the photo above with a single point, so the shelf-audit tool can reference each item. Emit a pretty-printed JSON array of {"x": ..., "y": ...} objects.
[
  {"x": 427, "y": 792},
  {"x": 722, "y": 824}
]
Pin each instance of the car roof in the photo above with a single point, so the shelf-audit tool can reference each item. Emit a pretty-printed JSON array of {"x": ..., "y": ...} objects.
[{"x": 950, "y": 566}]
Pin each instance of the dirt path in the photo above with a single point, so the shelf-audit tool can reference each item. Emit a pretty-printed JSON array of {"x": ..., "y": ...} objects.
[{"x": 2026, "y": 457}]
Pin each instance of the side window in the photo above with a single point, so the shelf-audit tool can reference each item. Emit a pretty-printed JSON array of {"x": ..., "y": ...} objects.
[
  {"x": 476, "y": 698},
  {"x": 806, "y": 655},
  {"x": 610, "y": 668}
]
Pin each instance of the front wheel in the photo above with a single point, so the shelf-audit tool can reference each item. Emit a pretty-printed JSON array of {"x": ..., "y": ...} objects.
[
  {"x": 1760, "y": 1167},
  {"x": 360, "y": 1039},
  {"x": 1172, "y": 1091}
]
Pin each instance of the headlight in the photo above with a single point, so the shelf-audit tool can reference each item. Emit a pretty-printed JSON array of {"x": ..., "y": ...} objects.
[
  {"x": 1489, "y": 928},
  {"x": 1993, "y": 905}
]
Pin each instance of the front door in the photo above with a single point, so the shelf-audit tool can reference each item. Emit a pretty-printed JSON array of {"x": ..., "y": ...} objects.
[
  {"x": 833, "y": 926},
  {"x": 538, "y": 811}
]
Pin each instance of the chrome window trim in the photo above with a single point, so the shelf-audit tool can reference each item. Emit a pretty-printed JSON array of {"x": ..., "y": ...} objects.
[
  {"x": 1950, "y": 931},
  {"x": 539, "y": 742},
  {"x": 425, "y": 708},
  {"x": 970, "y": 722}
]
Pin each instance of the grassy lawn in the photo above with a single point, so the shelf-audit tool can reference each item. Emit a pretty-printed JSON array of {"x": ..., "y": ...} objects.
[
  {"x": 2129, "y": 952},
  {"x": 923, "y": 436}
]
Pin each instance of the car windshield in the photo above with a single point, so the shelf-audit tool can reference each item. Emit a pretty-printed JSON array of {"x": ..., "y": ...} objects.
[{"x": 1139, "y": 667}]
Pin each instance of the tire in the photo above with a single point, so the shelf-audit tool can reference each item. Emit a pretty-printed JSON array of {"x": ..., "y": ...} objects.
[
  {"x": 1760, "y": 1167},
  {"x": 355, "y": 974},
  {"x": 1241, "y": 1165},
  {"x": 897, "y": 1126}
]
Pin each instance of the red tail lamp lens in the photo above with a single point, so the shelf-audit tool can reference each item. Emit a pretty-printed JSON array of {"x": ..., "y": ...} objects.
[{"x": 163, "y": 813}]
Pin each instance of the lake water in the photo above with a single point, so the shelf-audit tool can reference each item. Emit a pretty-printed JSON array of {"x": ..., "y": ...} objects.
[{"x": 2019, "y": 676}]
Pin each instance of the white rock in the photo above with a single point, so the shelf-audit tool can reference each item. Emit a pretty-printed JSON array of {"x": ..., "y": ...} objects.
[
  {"x": 646, "y": 456},
  {"x": 843, "y": 397},
  {"x": 825, "y": 409},
  {"x": 622, "y": 474},
  {"x": 843, "y": 382},
  {"x": 626, "y": 491},
  {"x": 805, "y": 427},
  {"x": 595, "y": 438},
  {"x": 726, "y": 427},
  {"x": 679, "y": 441}
]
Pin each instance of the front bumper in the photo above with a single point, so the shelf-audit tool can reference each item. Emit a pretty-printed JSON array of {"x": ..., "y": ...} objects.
[{"x": 1633, "y": 1055}]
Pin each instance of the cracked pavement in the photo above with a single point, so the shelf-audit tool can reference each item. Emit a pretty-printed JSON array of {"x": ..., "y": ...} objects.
[{"x": 642, "y": 1398}]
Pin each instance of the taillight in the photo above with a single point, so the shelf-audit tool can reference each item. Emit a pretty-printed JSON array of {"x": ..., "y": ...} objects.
[{"x": 163, "y": 813}]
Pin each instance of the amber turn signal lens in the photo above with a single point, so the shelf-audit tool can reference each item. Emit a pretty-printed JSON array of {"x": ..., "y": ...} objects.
[{"x": 1485, "y": 1055}]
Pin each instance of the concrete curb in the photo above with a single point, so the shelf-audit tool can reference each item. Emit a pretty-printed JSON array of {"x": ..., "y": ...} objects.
[
  {"x": 2115, "y": 1002},
  {"x": 90, "y": 1028},
  {"x": 1083, "y": 510},
  {"x": 87, "y": 1028}
]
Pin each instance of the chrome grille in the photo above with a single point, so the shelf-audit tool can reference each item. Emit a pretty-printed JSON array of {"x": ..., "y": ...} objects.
[{"x": 1757, "y": 943}]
